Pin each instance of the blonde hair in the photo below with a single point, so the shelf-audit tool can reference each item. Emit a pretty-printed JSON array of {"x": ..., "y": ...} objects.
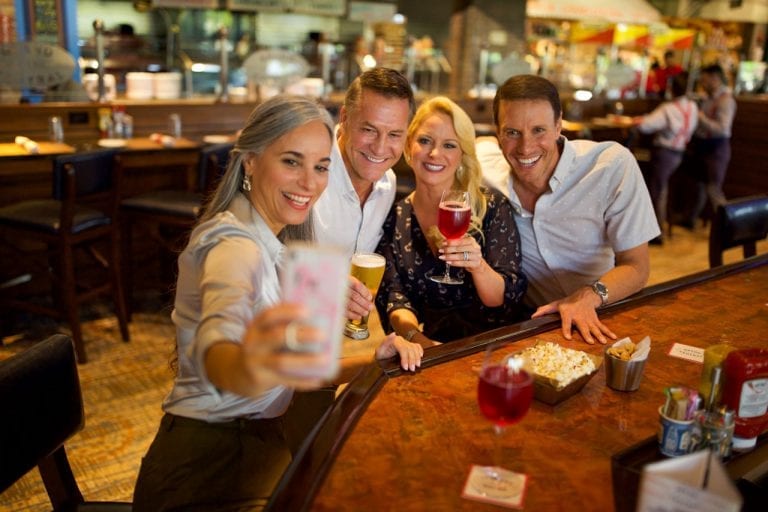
[{"x": 469, "y": 175}]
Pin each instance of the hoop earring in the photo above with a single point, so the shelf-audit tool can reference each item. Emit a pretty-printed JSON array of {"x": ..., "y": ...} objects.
[{"x": 246, "y": 183}]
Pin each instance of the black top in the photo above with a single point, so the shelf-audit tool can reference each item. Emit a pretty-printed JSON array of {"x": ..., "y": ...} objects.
[{"x": 449, "y": 312}]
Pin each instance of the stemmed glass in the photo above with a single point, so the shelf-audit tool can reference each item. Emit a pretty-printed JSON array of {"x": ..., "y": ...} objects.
[
  {"x": 452, "y": 221},
  {"x": 504, "y": 394}
]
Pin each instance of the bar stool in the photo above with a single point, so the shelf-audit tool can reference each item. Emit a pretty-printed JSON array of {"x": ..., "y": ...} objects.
[
  {"x": 739, "y": 222},
  {"x": 41, "y": 393},
  {"x": 80, "y": 219},
  {"x": 169, "y": 215}
]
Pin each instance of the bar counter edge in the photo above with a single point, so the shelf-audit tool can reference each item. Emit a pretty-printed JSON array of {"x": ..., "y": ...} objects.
[{"x": 311, "y": 464}]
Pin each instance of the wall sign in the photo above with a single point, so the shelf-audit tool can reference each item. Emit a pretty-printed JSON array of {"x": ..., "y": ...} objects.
[
  {"x": 45, "y": 20},
  {"x": 322, "y": 7}
]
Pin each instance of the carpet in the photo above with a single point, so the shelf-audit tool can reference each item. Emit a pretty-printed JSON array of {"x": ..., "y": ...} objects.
[{"x": 123, "y": 386}]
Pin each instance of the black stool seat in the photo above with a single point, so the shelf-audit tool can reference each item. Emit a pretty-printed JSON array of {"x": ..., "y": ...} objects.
[
  {"x": 181, "y": 203},
  {"x": 45, "y": 215}
]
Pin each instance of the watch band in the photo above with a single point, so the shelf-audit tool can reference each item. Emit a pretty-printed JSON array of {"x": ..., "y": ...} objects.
[{"x": 410, "y": 334}]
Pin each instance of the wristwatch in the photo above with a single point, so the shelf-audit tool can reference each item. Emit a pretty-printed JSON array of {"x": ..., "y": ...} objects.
[
  {"x": 410, "y": 334},
  {"x": 601, "y": 290}
]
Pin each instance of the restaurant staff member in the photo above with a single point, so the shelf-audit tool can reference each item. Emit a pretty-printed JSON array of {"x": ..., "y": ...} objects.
[
  {"x": 672, "y": 123},
  {"x": 581, "y": 207},
  {"x": 711, "y": 143}
]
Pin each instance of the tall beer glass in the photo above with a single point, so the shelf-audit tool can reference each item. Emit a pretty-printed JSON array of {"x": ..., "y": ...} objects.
[{"x": 368, "y": 268}]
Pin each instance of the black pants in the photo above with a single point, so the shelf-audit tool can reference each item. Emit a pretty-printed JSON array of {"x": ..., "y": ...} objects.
[
  {"x": 194, "y": 465},
  {"x": 664, "y": 163},
  {"x": 711, "y": 158}
]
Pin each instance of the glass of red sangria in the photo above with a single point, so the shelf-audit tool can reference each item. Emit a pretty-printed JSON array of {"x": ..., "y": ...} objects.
[
  {"x": 504, "y": 394},
  {"x": 453, "y": 222}
]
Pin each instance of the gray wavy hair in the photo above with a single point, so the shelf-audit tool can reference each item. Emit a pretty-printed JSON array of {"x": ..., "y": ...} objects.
[{"x": 268, "y": 122}]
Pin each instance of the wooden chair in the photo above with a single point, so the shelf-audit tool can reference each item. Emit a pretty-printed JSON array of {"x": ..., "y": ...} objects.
[
  {"x": 43, "y": 407},
  {"x": 50, "y": 236},
  {"x": 169, "y": 215},
  {"x": 739, "y": 222}
]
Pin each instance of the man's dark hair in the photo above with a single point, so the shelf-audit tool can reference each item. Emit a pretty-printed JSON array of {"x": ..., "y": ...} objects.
[
  {"x": 527, "y": 87},
  {"x": 717, "y": 70},
  {"x": 385, "y": 81},
  {"x": 679, "y": 84}
]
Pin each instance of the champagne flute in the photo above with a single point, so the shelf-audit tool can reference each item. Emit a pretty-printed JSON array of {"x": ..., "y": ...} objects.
[
  {"x": 368, "y": 268},
  {"x": 504, "y": 394},
  {"x": 452, "y": 221}
]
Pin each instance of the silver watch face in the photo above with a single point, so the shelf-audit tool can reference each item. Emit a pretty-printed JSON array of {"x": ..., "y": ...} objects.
[{"x": 601, "y": 290}]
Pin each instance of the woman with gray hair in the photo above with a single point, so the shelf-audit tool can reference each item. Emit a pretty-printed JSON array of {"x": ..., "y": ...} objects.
[{"x": 221, "y": 443}]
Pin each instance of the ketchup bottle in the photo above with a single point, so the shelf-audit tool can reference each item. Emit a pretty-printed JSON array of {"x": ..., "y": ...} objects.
[{"x": 746, "y": 391}]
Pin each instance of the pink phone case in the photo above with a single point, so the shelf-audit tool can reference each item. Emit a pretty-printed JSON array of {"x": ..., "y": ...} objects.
[{"x": 317, "y": 277}]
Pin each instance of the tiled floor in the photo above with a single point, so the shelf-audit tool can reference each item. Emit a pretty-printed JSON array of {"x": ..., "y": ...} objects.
[{"x": 687, "y": 252}]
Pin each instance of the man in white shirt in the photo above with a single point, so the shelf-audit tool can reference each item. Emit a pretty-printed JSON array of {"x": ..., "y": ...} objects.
[
  {"x": 370, "y": 137},
  {"x": 581, "y": 207}
]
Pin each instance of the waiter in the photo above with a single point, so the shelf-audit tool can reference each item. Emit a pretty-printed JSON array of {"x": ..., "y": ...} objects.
[{"x": 711, "y": 142}]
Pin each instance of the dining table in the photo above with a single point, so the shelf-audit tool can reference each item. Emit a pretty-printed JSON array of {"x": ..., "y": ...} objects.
[
  {"x": 147, "y": 162},
  {"x": 400, "y": 440}
]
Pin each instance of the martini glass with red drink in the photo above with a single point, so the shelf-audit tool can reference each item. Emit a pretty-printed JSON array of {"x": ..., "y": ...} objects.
[
  {"x": 453, "y": 222},
  {"x": 504, "y": 394}
]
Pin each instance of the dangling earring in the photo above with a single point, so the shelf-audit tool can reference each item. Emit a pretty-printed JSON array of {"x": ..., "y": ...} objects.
[{"x": 246, "y": 183}]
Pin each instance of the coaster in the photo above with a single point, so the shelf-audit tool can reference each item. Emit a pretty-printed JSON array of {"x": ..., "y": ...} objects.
[
  {"x": 687, "y": 352},
  {"x": 508, "y": 492}
]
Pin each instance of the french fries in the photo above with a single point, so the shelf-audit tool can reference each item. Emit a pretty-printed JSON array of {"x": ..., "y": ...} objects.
[{"x": 623, "y": 352}]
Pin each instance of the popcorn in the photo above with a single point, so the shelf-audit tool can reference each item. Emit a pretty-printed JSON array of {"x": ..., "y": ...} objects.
[{"x": 560, "y": 365}]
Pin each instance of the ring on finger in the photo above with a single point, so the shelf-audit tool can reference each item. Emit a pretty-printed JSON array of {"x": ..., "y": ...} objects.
[
  {"x": 290, "y": 336},
  {"x": 466, "y": 256}
]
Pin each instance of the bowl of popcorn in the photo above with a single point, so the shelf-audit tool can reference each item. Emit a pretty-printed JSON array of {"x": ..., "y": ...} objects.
[{"x": 558, "y": 372}]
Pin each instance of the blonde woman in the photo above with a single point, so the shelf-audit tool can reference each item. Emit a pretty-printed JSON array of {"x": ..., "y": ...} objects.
[{"x": 440, "y": 148}]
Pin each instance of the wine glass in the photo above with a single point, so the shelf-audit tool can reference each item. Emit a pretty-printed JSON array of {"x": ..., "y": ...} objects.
[
  {"x": 452, "y": 221},
  {"x": 504, "y": 394}
]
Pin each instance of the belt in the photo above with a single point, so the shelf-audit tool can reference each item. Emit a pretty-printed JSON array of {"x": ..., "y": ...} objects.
[{"x": 170, "y": 421}]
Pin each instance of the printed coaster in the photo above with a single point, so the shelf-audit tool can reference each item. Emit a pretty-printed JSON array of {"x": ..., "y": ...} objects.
[{"x": 507, "y": 490}]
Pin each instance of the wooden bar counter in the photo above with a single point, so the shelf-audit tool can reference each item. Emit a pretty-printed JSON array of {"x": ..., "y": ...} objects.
[{"x": 402, "y": 441}]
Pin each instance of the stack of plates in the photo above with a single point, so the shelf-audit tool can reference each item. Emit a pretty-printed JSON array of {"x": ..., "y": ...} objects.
[{"x": 139, "y": 86}]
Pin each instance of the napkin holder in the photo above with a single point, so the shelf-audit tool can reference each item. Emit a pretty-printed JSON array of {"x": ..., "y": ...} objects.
[
  {"x": 747, "y": 469},
  {"x": 696, "y": 482}
]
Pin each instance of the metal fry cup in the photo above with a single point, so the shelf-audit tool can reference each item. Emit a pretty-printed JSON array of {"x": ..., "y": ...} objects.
[{"x": 623, "y": 375}]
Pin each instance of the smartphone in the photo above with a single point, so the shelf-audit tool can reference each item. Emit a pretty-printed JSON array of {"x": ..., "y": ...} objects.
[{"x": 317, "y": 277}]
